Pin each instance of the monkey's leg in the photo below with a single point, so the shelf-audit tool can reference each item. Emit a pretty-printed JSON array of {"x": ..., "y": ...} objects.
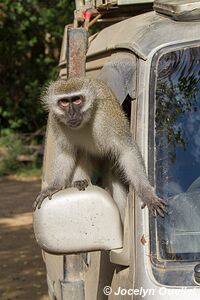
[
  {"x": 83, "y": 172},
  {"x": 133, "y": 166},
  {"x": 119, "y": 194},
  {"x": 118, "y": 191},
  {"x": 63, "y": 168}
]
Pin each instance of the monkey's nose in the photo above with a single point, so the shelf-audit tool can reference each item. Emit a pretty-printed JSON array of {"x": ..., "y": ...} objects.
[{"x": 71, "y": 111}]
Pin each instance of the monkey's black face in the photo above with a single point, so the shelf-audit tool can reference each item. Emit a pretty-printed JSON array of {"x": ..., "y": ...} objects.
[{"x": 72, "y": 110}]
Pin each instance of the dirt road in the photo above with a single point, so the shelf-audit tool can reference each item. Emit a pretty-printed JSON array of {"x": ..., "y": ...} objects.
[{"x": 22, "y": 273}]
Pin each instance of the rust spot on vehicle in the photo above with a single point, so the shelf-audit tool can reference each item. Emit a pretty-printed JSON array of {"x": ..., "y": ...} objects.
[{"x": 77, "y": 47}]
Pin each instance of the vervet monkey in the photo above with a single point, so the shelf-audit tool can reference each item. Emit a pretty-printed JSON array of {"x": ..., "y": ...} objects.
[{"x": 89, "y": 124}]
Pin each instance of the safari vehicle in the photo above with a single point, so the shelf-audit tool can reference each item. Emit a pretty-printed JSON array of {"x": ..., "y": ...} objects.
[{"x": 152, "y": 63}]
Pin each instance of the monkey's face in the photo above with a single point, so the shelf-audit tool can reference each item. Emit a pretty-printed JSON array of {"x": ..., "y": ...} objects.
[
  {"x": 71, "y": 110},
  {"x": 71, "y": 100}
]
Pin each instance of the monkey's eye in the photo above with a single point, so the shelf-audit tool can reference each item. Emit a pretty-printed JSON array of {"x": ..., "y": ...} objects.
[
  {"x": 77, "y": 100},
  {"x": 64, "y": 103}
]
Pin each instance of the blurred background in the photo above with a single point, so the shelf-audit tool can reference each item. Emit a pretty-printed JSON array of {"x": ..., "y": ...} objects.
[{"x": 30, "y": 40}]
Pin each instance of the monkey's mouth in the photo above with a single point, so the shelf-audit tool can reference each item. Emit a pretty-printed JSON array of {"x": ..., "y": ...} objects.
[{"x": 74, "y": 123}]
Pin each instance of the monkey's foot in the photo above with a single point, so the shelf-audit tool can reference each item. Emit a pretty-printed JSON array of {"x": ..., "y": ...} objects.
[
  {"x": 81, "y": 185},
  {"x": 48, "y": 192},
  {"x": 155, "y": 205}
]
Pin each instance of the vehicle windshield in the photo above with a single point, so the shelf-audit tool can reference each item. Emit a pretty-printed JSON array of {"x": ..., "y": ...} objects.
[{"x": 177, "y": 153}]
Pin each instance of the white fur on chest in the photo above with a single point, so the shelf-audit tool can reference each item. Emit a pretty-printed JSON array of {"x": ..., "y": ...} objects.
[{"x": 84, "y": 139}]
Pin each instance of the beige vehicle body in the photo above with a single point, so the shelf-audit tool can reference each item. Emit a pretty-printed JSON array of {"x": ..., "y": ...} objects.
[{"x": 105, "y": 260}]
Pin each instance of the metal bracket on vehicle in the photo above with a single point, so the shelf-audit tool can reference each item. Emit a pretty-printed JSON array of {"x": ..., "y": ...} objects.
[{"x": 73, "y": 52}]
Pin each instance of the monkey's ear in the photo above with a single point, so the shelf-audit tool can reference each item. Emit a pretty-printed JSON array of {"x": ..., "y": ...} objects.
[
  {"x": 119, "y": 75},
  {"x": 46, "y": 93}
]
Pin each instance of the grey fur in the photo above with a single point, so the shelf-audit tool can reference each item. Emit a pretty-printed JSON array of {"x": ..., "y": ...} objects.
[{"x": 103, "y": 133}]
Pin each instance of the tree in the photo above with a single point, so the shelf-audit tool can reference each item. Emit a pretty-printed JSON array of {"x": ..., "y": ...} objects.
[{"x": 30, "y": 33}]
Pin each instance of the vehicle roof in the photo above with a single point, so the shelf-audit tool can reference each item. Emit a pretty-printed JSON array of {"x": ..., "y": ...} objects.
[{"x": 143, "y": 34}]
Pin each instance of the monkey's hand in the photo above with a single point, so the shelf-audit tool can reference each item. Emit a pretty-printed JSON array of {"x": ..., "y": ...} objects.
[
  {"x": 81, "y": 185},
  {"x": 48, "y": 192},
  {"x": 155, "y": 205}
]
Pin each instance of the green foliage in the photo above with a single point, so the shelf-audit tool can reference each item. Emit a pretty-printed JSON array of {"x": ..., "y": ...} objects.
[
  {"x": 30, "y": 33},
  {"x": 29, "y": 171},
  {"x": 12, "y": 146}
]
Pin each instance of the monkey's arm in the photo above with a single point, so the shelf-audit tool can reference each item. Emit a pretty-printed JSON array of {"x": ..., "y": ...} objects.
[
  {"x": 133, "y": 166},
  {"x": 83, "y": 171},
  {"x": 62, "y": 172}
]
